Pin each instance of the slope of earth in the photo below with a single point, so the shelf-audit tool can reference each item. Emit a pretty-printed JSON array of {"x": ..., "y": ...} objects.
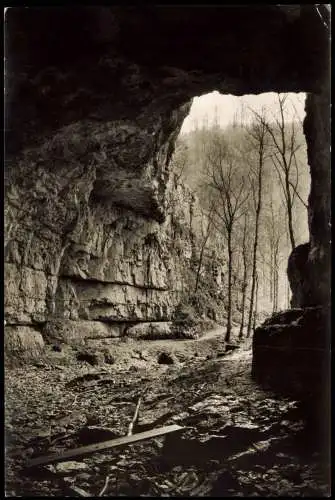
[{"x": 239, "y": 440}]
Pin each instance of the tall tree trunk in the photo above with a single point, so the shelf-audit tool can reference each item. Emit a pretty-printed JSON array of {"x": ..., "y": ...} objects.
[
  {"x": 256, "y": 304},
  {"x": 243, "y": 305},
  {"x": 238, "y": 265},
  {"x": 245, "y": 277},
  {"x": 236, "y": 280},
  {"x": 230, "y": 268},
  {"x": 254, "y": 263},
  {"x": 271, "y": 276},
  {"x": 276, "y": 290},
  {"x": 277, "y": 273},
  {"x": 275, "y": 280},
  {"x": 289, "y": 211},
  {"x": 288, "y": 283},
  {"x": 253, "y": 279}
]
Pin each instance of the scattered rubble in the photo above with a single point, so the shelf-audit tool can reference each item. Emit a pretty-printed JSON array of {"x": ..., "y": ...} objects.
[{"x": 238, "y": 439}]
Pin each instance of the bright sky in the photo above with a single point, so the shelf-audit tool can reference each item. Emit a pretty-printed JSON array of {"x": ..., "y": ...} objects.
[{"x": 225, "y": 107}]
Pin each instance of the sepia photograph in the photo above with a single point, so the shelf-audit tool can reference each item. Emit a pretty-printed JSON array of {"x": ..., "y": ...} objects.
[{"x": 167, "y": 251}]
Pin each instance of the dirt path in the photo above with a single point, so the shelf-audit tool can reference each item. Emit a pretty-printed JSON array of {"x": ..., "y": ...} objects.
[
  {"x": 239, "y": 440},
  {"x": 215, "y": 333},
  {"x": 130, "y": 352}
]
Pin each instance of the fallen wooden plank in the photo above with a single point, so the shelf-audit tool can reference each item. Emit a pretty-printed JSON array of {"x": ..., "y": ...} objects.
[
  {"x": 77, "y": 491},
  {"x": 87, "y": 450},
  {"x": 135, "y": 417}
]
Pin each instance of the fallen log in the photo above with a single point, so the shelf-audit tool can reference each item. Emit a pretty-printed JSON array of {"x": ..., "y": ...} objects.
[{"x": 88, "y": 450}]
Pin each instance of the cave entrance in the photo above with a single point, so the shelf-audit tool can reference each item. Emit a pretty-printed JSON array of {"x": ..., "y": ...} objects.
[{"x": 220, "y": 137}]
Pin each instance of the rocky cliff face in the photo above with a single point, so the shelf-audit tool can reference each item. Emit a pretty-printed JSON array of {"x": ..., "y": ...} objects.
[
  {"x": 297, "y": 272},
  {"x": 317, "y": 132},
  {"x": 111, "y": 269},
  {"x": 95, "y": 98}
]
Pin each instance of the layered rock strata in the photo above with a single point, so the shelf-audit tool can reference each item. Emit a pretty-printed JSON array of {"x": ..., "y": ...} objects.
[{"x": 113, "y": 270}]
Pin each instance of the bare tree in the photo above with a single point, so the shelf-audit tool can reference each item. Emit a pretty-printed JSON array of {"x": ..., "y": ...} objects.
[
  {"x": 257, "y": 144},
  {"x": 229, "y": 189},
  {"x": 245, "y": 273},
  {"x": 285, "y": 145},
  {"x": 256, "y": 304},
  {"x": 274, "y": 232}
]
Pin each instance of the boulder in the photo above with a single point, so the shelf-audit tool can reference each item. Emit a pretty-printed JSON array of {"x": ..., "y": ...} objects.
[
  {"x": 70, "y": 467},
  {"x": 109, "y": 357},
  {"x": 90, "y": 356},
  {"x": 151, "y": 330},
  {"x": 76, "y": 332},
  {"x": 166, "y": 358},
  {"x": 23, "y": 342},
  {"x": 297, "y": 272}
]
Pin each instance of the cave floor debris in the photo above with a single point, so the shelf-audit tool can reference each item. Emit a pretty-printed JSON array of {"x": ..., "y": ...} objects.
[{"x": 240, "y": 440}]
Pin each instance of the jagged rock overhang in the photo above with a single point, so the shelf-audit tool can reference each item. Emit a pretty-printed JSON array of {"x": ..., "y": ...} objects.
[
  {"x": 149, "y": 57},
  {"x": 115, "y": 87}
]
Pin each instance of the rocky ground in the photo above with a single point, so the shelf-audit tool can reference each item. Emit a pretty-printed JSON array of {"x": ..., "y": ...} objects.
[{"x": 239, "y": 439}]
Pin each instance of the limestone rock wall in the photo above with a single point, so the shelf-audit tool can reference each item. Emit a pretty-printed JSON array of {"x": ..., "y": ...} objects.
[
  {"x": 309, "y": 264},
  {"x": 122, "y": 267},
  {"x": 298, "y": 276},
  {"x": 112, "y": 267},
  {"x": 318, "y": 132}
]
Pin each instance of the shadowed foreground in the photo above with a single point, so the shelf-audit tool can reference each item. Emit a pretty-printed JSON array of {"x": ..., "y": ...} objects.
[{"x": 240, "y": 440}]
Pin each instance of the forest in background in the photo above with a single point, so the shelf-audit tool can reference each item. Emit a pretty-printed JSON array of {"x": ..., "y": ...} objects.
[{"x": 252, "y": 182}]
